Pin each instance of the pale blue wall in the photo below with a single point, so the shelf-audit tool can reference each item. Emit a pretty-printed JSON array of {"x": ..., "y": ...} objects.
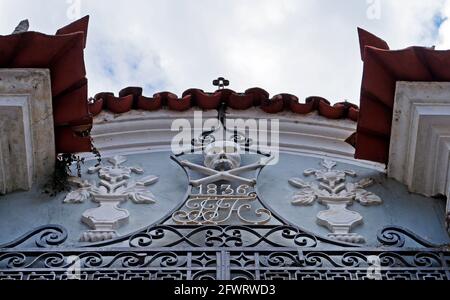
[
  {"x": 20, "y": 212},
  {"x": 424, "y": 216}
]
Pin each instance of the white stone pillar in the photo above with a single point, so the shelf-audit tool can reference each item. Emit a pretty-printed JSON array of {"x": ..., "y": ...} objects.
[
  {"x": 27, "y": 143},
  {"x": 419, "y": 153}
]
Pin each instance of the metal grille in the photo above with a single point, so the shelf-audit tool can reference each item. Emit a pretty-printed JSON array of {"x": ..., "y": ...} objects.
[
  {"x": 248, "y": 264},
  {"x": 40, "y": 255}
]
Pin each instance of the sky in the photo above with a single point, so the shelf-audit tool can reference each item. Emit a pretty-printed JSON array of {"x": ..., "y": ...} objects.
[{"x": 302, "y": 47}]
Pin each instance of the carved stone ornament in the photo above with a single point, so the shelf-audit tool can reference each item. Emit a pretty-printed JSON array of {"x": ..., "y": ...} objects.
[
  {"x": 218, "y": 204},
  {"x": 332, "y": 190},
  {"x": 113, "y": 188},
  {"x": 222, "y": 162}
]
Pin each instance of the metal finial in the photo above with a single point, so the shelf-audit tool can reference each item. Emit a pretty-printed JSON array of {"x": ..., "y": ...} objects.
[{"x": 221, "y": 83}]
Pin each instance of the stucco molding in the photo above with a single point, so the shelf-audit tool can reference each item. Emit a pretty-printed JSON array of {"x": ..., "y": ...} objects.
[
  {"x": 113, "y": 188},
  {"x": 419, "y": 153},
  {"x": 142, "y": 131},
  {"x": 27, "y": 145}
]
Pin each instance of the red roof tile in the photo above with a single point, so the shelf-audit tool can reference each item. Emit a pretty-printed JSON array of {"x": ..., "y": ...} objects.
[
  {"x": 63, "y": 55},
  {"x": 382, "y": 69},
  {"x": 196, "y": 97}
]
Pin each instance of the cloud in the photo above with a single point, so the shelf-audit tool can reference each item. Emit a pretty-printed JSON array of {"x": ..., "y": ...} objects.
[
  {"x": 444, "y": 28},
  {"x": 307, "y": 47}
]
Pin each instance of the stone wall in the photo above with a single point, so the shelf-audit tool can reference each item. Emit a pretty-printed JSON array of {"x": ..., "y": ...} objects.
[{"x": 27, "y": 146}]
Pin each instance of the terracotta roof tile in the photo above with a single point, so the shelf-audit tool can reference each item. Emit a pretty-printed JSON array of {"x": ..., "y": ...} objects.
[
  {"x": 368, "y": 39},
  {"x": 150, "y": 104},
  {"x": 382, "y": 69},
  {"x": 119, "y": 105},
  {"x": 63, "y": 55},
  {"x": 197, "y": 97}
]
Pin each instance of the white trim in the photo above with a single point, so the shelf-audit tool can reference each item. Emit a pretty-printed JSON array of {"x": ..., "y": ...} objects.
[
  {"x": 419, "y": 153},
  {"x": 142, "y": 131}
]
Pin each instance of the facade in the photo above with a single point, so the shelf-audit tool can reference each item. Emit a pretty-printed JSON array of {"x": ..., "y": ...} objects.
[{"x": 222, "y": 185}]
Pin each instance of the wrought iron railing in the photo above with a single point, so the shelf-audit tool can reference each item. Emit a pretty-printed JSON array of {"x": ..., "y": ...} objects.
[{"x": 222, "y": 252}]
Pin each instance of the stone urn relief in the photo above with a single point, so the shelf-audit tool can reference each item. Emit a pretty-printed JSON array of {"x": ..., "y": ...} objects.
[
  {"x": 332, "y": 190},
  {"x": 113, "y": 188}
]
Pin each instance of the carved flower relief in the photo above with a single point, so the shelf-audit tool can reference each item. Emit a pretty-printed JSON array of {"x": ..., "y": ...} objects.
[
  {"x": 80, "y": 195},
  {"x": 307, "y": 193},
  {"x": 310, "y": 192},
  {"x": 116, "y": 172},
  {"x": 331, "y": 189},
  {"x": 139, "y": 193},
  {"x": 359, "y": 193},
  {"x": 113, "y": 181},
  {"x": 113, "y": 187},
  {"x": 329, "y": 176}
]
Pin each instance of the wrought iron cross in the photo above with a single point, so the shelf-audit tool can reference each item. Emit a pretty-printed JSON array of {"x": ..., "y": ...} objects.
[{"x": 221, "y": 83}]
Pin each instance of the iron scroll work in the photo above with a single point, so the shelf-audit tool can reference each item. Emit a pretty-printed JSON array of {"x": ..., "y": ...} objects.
[
  {"x": 205, "y": 245},
  {"x": 49, "y": 260}
]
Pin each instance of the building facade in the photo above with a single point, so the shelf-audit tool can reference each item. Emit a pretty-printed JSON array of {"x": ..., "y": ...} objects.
[{"x": 226, "y": 184}]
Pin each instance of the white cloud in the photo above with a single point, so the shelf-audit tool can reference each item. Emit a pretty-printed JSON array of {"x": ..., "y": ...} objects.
[
  {"x": 444, "y": 30},
  {"x": 304, "y": 47}
]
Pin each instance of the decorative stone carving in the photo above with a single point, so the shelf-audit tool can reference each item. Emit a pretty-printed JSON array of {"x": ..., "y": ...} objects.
[
  {"x": 222, "y": 156},
  {"x": 332, "y": 190},
  {"x": 222, "y": 161},
  {"x": 113, "y": 188},
  {"x": 217, "y": 204}
]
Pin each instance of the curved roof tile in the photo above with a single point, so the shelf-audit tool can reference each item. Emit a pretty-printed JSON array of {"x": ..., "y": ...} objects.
[
  {"x": 63, "y": 54},
  {"x": 132, "y": 98},
  {"x": 382, "y": 69}
]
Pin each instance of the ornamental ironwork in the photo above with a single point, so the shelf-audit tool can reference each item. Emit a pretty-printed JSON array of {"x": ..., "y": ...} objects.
[
  {"x": 206, "y": 209},
  {"x": 391, "y": 261}
]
